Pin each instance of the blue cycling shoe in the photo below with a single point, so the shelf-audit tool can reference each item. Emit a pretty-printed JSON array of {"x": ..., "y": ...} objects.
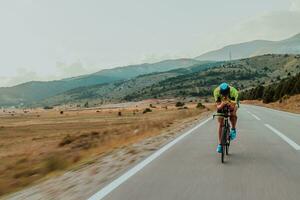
[
  {"x": 232, "y": 134},
  {"x": 219, "y": 148}
]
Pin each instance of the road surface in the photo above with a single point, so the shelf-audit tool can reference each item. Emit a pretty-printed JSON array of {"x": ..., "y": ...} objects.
[{"x": 264, "y": 163}]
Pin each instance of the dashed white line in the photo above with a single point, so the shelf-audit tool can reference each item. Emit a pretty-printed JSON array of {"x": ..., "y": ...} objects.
[
  {"x": 254, "y": 116},
  {"x": 113, "y": 185},
  {"x": 285, "y": 138}
]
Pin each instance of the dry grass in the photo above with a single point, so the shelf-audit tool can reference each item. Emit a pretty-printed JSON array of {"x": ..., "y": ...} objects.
[
  {"x": 36, "y": 143},
  {"x": 289, "y": 104}
]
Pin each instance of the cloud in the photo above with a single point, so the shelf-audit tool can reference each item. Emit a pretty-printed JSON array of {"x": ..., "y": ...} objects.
[
  {"x": 272, "y": 25},
  {"x": 295, "y": 5},
  {"x": 275, "y": 25},
  {"x": 72, "y": 69},
  {"x": 22, "y": 75}
]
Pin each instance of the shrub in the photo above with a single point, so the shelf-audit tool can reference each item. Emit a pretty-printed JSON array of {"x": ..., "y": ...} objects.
[
  {"x": 147, "y": 110},
  {"x": 179, "y": 104},
  {"x": 200, "y": 105},
  {"x": 66, "y": 140},
  {"x": 27, "y": 173},
  {"x": 48, "y": 107},
  {"x": 152, "y": 106},
  {"x": 55, "y": 162}
]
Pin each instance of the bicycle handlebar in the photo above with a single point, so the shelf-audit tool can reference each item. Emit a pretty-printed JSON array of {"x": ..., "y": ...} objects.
[
  {"x": 220, "y": 115},
  {"x": 226, "y": 114}
]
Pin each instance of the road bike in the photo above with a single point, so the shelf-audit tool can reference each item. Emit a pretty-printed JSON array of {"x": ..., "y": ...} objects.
[{"x": 225, "y": 139}]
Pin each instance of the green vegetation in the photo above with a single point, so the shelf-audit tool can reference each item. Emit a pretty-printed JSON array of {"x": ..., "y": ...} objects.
[
  {"x": 48, "y": 107},
  {"x": 36, "y": 91},
  {"x": 242, "y": 74},
  {"x": 274, "y": 92},
  {"x": 195, "y": 81}
]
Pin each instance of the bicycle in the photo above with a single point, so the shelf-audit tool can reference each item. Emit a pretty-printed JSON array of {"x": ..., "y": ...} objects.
[{"x": 225, "y": 139}]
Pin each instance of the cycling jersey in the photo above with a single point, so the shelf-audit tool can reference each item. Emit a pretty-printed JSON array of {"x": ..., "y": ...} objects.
[{"x": 233, "y": 95}]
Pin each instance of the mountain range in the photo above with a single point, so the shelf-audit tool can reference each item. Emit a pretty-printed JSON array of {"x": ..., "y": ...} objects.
[
  {"x": 33, "y": 91},
  {"x": 138, "y": 81},
  {"x": 254, "y": 48},
  {"x": 196, "y": 81}
]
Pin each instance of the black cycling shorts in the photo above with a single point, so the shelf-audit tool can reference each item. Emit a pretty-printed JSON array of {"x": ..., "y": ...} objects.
[{"x": 223, "y": 110}]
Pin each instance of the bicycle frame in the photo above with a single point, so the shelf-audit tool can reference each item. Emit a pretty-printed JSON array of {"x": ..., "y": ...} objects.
[{"x": 225, "y": 140}]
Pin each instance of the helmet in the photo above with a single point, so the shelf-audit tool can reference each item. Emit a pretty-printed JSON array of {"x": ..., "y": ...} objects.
[{"x": 224, "y": 89}]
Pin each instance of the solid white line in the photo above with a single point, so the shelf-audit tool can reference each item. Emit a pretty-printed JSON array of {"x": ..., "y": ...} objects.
[
  {"x": 254, "y": 116},
  {"x": 113, "y": 185},
  {"x": 287, "y": 114},
  {"x": 285, "y": 138}
]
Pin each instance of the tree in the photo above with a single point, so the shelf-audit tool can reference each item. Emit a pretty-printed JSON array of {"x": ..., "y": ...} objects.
[
  {"x": 268, "y": 95},
  {"x": 259, "y": 91}
]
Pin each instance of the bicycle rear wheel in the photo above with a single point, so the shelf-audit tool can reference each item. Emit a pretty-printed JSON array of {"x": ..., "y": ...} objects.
[
  {"x": 223, "y": 144},
  {"x": 223, "y": 154},
  {"x": 227, "y": 149},
  {"x": 227, "y": 143}
]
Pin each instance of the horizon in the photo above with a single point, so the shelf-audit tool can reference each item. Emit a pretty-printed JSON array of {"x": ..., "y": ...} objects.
[
  {"x": 57, "y": 55},
  {"x": 134, "y": 64}
]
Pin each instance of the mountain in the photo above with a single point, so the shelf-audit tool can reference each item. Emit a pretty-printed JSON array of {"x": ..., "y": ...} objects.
[
  {"x": 254, "y": 48},
  {"x": 195, "y": 81},
  {"x": 37, "y": 90},
  {"x": 117, "y": 91},
  {"x": 242, "y": 74}
]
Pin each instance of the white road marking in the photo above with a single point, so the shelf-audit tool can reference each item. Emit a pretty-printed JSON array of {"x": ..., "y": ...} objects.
[
  {"x": 113, "y": 185},
  {"x": 285, "y": 138},
  {"x": 254, "y": 116},
  {"x": 286, "y": 114}
]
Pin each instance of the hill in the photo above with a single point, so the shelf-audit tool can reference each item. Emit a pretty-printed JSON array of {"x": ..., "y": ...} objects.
[
  {"x": 117, "y": 91},
  {"x": 280, "y": 90},
  {"x": 244, "y": 73},
  {"x": 196, "y": 81},
  {"x": 254, "y": 48},
  {"x": 27, "y": 93}
]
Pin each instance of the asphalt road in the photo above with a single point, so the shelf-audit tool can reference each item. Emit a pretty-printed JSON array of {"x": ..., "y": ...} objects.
[{"x": 264, "y": 163}]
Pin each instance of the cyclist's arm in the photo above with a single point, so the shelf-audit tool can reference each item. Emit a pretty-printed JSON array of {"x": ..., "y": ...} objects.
[
  {"x": 220, "y": 105},
  {"x": 235, "y": 94},
  {"x": 217, "y": 98}
]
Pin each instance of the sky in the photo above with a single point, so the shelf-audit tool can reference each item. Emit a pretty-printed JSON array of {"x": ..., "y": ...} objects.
[{"x": 54, "y": 39}]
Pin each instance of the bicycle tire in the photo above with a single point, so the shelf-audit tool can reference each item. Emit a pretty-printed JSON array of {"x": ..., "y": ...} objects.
[
  {"x": 227, "y": 144},
  {"x": 222, "y": 154},
  {"x": 227, "y": 149},
  {"x": 223, "y": 144}
]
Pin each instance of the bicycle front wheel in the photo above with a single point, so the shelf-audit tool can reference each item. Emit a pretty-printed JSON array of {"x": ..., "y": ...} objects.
[{"x": 223, "y": 143}]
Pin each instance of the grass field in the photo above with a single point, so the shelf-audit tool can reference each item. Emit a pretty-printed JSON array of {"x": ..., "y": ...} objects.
[{"x": 37, "y": 144}]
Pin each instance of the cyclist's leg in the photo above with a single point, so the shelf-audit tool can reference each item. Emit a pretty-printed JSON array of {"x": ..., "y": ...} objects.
[
  {"x": 233, "y": 117},
  {"x": 220, "y": 127},
  {"x": 233, "y": 120}
]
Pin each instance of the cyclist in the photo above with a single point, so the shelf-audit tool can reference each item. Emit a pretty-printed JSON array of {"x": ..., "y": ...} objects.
[{"x": 226, "y": 95}]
